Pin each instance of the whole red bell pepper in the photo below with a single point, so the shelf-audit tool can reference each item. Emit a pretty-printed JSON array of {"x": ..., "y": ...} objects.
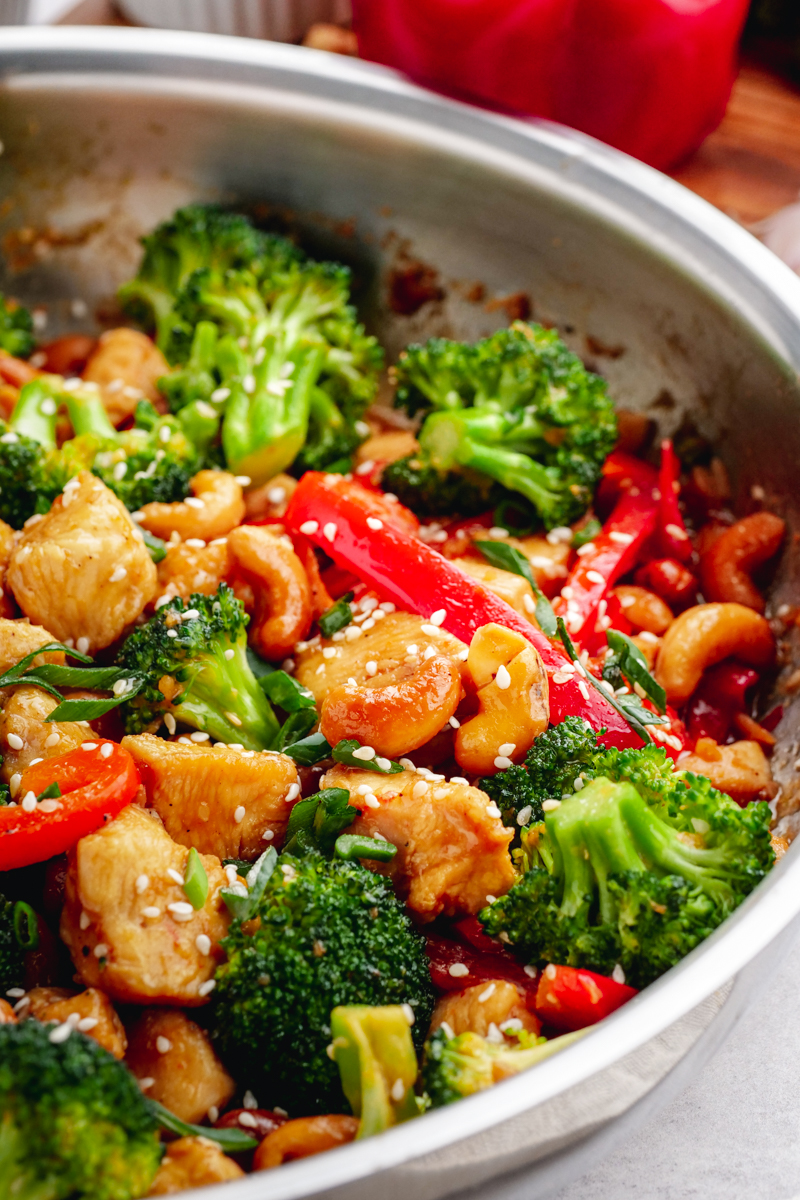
[
  {"x": 608, "y": 556},
  {"x": 339, "y": 516},
  {"x": 570, "y": 998},
  {"x": 672, "y": 536},
  {"x": 651, "y": 77},
  {"x": 95, "y": 783}
]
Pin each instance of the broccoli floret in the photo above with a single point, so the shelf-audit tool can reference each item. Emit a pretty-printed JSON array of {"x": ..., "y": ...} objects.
[
  {"x": 518, "y": 408},
  {"x": 558, "y": 757},
  {"x": 455, "y": 1067},
  {"x": 515, "y": 796},
  {"x": 73, "y": 1120},
  {"x": 330, "y": 439},
  {"x": 16, "y": 329},
  {"x": 218, "y": 691},
  {"x": 433, "y": 493},
  {"x": 195, "y": 237},
  {"x": 32, "y": 469},
  {"x": 374, "y": 1052},
  {"x": 331, "y": 933},
  {"x": 152, "y": 461},
  {"x": 635, "y": 877}
]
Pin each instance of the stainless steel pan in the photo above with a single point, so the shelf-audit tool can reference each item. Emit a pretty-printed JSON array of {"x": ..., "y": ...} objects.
[{"x": 106, "y": 131}]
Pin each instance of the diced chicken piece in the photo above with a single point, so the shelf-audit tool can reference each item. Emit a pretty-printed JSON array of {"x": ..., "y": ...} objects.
[
  {"x": 91, "y": 1012},
  {"x": 515, "y": 590},
  {"x": 7, "y": 1015},
  {"x": 176, "y": 1055},
  {"x": 83, "y": 570},
  {"x": 23, "y": 719},
  {"x": 125, "y": 920},
  {"x": 220, "y": 801},
  {"x": 193, "y": 1162},
  {"x": 741, "y": 769},
  {"x": 20, "y": 638},
  {"x": 7, "y": 540},
  {"x": 549, "y": 562},
  {"x": 187, "y": 569},
  {"x": 452, "y": 851},
  {"x": 484, "y": 1008},
  {"x": 396, "y": 644},
  {"x": 126, "y": 366}
]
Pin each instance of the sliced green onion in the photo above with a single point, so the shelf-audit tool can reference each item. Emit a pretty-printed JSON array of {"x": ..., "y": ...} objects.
[
  {"x": 351, "y": 845},
  {"x": 156, "y": 548},
  {"x": 587, "y": 533},
  {"x": 89, "y": 710},
  {"x": 26, "y": 926},
  {"x": 309, "y": 750},
  {"x": 347, "y": 752},
  {"x": 337, "y": 617},
  {"x": 195, "y": 883},
  {"x": 286, "y": 692},
  {"x": 233, "y": 1141},
  {"x": 508, "y": 558},
  {"x": 51, "y": 792}
]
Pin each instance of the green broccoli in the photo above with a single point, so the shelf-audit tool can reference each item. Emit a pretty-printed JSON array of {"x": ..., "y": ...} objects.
[
  {"x": 15, "y": 938},
  {"x": 330, "y": 933},
  {"x": 152, "y": 461},
  {"x": 636, "y": 867},
  {"x": 201, "y": 645},
  {"x": 455, "y": 1067},
  {"x": 518, "y": 408},
  {"x": 195, "y": 237},
  {"x": 33, "y": 470},
  {"x": 16, "y": 329},
  {"x": 374, "y": 1051},
  {"x": 433, "y": 493},
  {"x": 73, "y": 1121}
]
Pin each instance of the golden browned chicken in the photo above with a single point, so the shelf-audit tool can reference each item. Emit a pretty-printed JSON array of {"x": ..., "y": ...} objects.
[
  {"x": 740, "y": 769},
  {"x": 220, "y": 801},
  {"x": 127, "y": 922},
  {"x": 126, "y": 366},
  {"x": 83, "y": 570},
  {"x": 175, "y": 1064},
  {"x": 25, "y": 734},
  {"x": 452, "y": 847},
  {"x": 196, "y": 568},
  {"x": 90, "y": 1012},
  {"x": 193, "y": 1162},
  {"x": 20, "y": 638},
  {"x": 394, "y": 643},
  {"x": 485, "y": 1009}
]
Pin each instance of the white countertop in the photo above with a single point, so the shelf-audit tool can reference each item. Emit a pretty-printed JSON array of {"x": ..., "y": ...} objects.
[{"x": 734, "y": 1134}]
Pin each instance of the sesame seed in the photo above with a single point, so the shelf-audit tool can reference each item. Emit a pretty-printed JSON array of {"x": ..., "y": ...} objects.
[
  {"x": 622, "y": 539},
  {"x": 29, "y": 801},
  {"x": 207, "y": 988},
  {"x": 219, "y": 394},
  {"x": 412, "y": 649},
  {"x": 118, "y": 574},
  {"x": 146, "y": 1082},
  {"x": 530, "y": 971},
  {"x": 52, "y": 740},
  {"x": 497, "y": 533},
  {"x": 439, "y": 617},
  {"x": 170, "y": 722},
  {"x": 490, "y": 899},
  {"x": 234, "y": 720},
  {"x": 419, "y": 790},
  {"x": 371, "y": 668},
  {"x": 247, "y": 1120},
  {"x": 458, "y": 970},
  {"x": 561, "y": 676},
  {"x": 163, "y": 1045},
  {"x": 230, "y": 872},
  {"x": 561, "y": 533},
  {"x": 175, "y": 876},
  {"x": 330, "y": 530},
  {"x": 48, "y": 806},
  {"x": 492, "y": 809},
  {"x": 352, "y": 632},
  {"x": 528, "y": 603},
  {"x": 524, "y": 815},
  {"x": 595, "y": 577},
  {"x": 309, "y": 527},
  {"x": 487, "y": 992},
  {"x": 203, "y": 943},
  {"x": 454, "y": 723},
  {"x": 142, "y": 884},
  {"x": 364, "y": 753},
  {"x": 34, "y": 761},
  {"x": 87, "y": 1023},
  {"x": 88, "y": 745},
  {"x": 502, "y": 678},
  {"x": 15, "y": 993},
  {"x": 100, "y": 950},
  {"x": 243, "y": 480},
  {"x": 238, "y": 815},
  {"x": 23, "y": 1003},
  {"x": 194, "y": 502},
  {"x": 106, "y": 750},
  {"x": 249, "y": 384},
  {"x": 60, "y": 1033},
  {"x": 13, "y": 784},
  {"x": 15, "y": 741},
  {"x": 459, "y": 779},
  {"x": 430, "y": 652},
  {"x": 679, "y": 534},
  {"x": 364, "y": 468},
  {"x": 429, "y": 630},
  {"x": 618, "y": 975},
  {"x": 551, "y": 805},
  {"x": 288, "y": 666},
  {"x": 374, "y": 523},
  {"x": 180, "y": 910},
  {"x": 268, "y": 835},
  {"x": 507, "y": 748},
  {"x": 583, "y": 689},
  {"x": 329, "y": 652},
  {"x": 293, "y": 792},
  {"x": 82, "y": 645}
]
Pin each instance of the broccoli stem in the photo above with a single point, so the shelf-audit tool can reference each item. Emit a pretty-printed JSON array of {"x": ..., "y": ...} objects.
[
  {"x": 88, "y": 415},
  {"x": 374, "y": 1051},
  {"x": 32, "y": 416},
  {"x": 221, "y": 688}
]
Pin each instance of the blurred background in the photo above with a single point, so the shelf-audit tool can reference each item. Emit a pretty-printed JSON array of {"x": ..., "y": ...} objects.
[{"x": 708, "y": 91}]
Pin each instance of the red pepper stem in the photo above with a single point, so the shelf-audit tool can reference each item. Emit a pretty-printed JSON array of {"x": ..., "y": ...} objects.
[{"x": 333, "y": 513}]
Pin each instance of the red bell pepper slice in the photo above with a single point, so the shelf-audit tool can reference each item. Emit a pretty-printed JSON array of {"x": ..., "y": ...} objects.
[
  {"x": 96, "y": 784},
  {"x": 672, "y": 535},
  {"x": 16, "y": 371},
  {"x": 720, "y": 695},
  {"x": 480, "y": 966},
  {"x": 570, "y": 998},
  {"x": 336, "y": 514},
  {"x": 669, "y": 579},
  {"x": 613, "y": 553}
]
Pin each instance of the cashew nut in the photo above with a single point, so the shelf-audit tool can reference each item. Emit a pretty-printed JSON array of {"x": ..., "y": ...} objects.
[
  {"x": 703, "y": 636},
  {"x": 644, "y": 609},
  {"x": 398, "y": 717},
  {"x": 741, "y": 770},
  {"x": 727, "y": 566},
  {"x": 515, "y": 590},
  {"x": 216, "y": 507},
  {"x": 513, "y": 701},
  {"x": 303, "y": 1137},
  {"x": 126, "y": 366},
  {"x": 280, "y": 587}
]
